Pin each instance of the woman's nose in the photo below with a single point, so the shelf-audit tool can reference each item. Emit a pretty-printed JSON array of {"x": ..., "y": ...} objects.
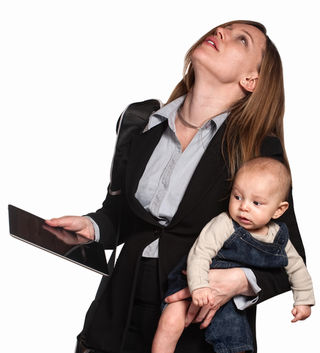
[{"x": 221, "y": 33}]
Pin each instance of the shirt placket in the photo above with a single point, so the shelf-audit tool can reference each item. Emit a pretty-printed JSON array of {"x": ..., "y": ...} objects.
[{"x": 164, "y": 181}]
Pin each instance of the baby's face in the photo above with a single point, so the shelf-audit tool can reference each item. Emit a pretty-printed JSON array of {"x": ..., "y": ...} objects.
[{"x": 254, "y": 200}]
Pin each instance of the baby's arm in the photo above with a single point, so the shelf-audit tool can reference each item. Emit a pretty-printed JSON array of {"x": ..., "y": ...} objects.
[
  {"x": 301, "y": 312},
  {"x": 202, "y": 296},
  {"x": 301, "y": 284},
  {"x": 206, "y": 246}
]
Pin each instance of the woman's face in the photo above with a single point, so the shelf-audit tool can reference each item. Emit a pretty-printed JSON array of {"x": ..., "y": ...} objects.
[{"x": 231, "y": 54}]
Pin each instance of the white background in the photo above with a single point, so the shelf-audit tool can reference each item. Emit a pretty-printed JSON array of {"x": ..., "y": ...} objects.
[{"x": 68, "y": 68}]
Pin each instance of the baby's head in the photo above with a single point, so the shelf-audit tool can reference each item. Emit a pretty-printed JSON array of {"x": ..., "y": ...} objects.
[{"x": 259, "y": 193}]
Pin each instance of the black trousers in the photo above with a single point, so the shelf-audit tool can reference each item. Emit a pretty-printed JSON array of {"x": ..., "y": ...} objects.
[
  {"x": 146, "y": 309},
  {"x": 145, "y": 312}
]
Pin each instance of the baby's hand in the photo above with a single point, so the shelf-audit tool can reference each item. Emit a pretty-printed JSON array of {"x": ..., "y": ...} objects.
[
  {"x": 301, "y": 312},
  {"x": 202, "y": 296}
]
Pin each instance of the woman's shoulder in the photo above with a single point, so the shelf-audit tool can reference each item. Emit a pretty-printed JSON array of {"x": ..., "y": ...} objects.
[
  {"x": 146, "y": 106},
  {"x": 271, "y": 147},
  {"x": 138, "y": 113}
]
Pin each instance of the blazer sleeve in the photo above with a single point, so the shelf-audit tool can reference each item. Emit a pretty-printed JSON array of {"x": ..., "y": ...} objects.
[
  {"x": 113, "y": 208},
  {"x": 274, "y": 282},
  {"x": 107, "y": 219}
]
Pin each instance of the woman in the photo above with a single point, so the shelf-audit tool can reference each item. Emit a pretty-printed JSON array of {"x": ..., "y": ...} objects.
[{"x": 227, "y": 109}]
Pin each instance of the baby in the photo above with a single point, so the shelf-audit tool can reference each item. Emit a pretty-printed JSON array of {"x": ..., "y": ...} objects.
[{"x": 244, "y": 237}]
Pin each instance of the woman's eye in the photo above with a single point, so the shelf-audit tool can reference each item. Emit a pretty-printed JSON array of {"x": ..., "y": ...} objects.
[
  {"x": 256, "y": 203},
  {"x": 243, "y": 40}
]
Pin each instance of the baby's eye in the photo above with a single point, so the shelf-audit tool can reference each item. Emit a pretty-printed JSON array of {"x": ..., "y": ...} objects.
[
  {"x": 237, "y": 197},
  {"x": 256, "y": 203}
]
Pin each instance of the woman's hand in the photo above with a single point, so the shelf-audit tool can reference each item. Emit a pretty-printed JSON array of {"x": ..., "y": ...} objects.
[
  {"x": 80, "y": 225},
  {"x": 225, "y": 284}
]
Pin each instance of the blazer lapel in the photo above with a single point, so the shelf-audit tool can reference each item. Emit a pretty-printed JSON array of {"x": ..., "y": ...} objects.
[
  {"x": 209, "y": 172},
  {"x": 140, "y": 152}
]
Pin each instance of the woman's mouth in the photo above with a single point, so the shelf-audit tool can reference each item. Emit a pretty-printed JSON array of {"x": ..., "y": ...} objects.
[{"x": 211, "y": 42}]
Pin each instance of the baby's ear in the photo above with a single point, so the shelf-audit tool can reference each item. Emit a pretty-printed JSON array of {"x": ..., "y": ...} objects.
[{"x": 283, "y": 206}]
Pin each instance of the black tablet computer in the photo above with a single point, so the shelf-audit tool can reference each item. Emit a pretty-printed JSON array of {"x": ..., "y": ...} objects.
[{"x": 68, "y": 245}]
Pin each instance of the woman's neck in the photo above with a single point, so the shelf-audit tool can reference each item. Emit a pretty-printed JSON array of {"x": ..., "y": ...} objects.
[{"x": 203, "y": 103}]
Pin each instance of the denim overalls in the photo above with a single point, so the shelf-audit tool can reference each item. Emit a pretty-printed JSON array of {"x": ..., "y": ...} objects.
[{"x": 229, "y": 330}]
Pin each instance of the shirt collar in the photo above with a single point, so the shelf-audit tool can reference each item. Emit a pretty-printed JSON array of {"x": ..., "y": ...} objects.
[{"x": 169, "y": 111}]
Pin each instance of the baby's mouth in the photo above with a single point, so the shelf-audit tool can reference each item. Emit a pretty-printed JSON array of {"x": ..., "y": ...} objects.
[{"x": 244, "y": 220}]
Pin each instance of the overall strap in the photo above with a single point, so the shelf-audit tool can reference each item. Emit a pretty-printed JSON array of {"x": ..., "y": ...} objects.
[
  {"x": 282, "y": 236},
  {"x": 235, "y": 225},
  {"x": 131, "y": 122}
]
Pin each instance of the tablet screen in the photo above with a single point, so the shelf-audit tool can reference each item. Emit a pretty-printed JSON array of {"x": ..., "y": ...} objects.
[{"x": 69, "y": 245}]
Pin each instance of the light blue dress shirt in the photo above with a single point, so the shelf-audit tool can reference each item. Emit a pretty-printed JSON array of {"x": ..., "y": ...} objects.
[{"x": 169, "y": 169}]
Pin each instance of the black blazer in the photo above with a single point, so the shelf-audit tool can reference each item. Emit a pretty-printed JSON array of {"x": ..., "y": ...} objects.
[{"x": 206, "y": 196}]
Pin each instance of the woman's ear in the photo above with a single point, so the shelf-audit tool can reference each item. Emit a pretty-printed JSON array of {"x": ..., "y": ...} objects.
[
  {"x": 249, "y": 82},
  {"x": 281, "y": 209}
]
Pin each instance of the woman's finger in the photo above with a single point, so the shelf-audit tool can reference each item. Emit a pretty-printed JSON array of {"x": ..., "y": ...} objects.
[
  {"x": 191, "y": 314},
  {"x": 202, "y": 314},
  {"x": 65, "y": 236},
  {"x": 64, "y": 222},
  {"x": 210, "y": 314}
]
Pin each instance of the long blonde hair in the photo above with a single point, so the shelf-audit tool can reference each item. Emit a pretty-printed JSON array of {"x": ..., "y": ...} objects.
[{"x": 253, "y": 117}]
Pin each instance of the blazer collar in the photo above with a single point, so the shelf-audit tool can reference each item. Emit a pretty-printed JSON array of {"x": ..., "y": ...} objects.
[
  {"x": 207, "y": 174},
  {"x": 140, "y": 152}
]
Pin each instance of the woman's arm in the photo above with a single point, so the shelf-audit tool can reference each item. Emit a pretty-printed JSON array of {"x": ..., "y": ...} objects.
[
  {"x": 226, "y": 283},
  {"x": 108, "y": 218},
  {"x": 114, "y": 210}
]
